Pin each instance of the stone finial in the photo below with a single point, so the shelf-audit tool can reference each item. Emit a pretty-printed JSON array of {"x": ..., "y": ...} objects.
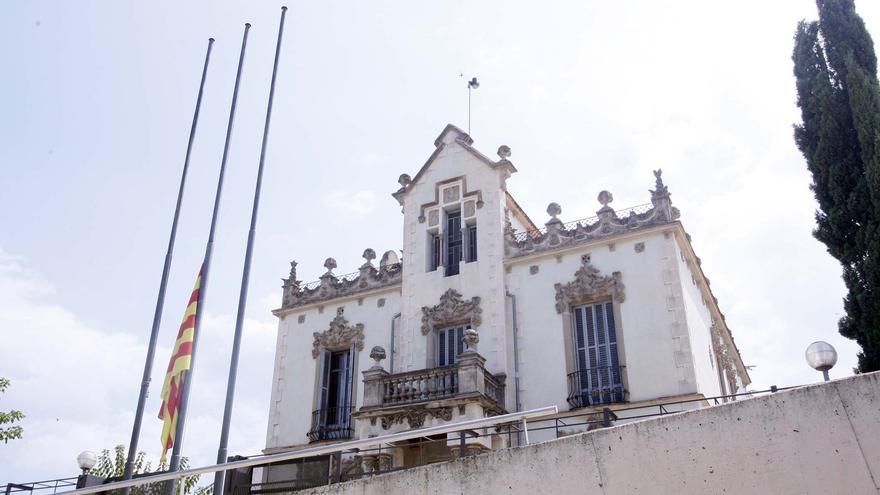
[
  {"x": 291, "y": 278},
  {"x": 377, "y": 354},
  {"x": 605, "y": 197},
  {"x": 553, "y": 209},
  {"x": 660, "y": 189},
  {"x": 404, "y": 180},
  {"x": 504, "y": 151},
  {"x": 471, "y": 338},
  {"x": 330, "y": 265},
  {"x": 369, "y": 255}
]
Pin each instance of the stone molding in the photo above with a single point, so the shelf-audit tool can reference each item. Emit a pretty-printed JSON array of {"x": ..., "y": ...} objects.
[
  {"x": 724, "y": 357},
  {"x": 415, "y": 416},
  {"x": 330, "y": 286},
  {"x": 452, "y": 309},
  {"x": 340, "y": 335},
  {"x": 588, "y": 284},
  {"x": 607, "y": 222}
]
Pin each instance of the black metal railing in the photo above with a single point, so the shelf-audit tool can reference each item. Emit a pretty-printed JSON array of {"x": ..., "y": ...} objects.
[
  {"x": 331, "y": 423},
  {"x": 593, "y": 386},
  {"x": 40, "y": 487}
]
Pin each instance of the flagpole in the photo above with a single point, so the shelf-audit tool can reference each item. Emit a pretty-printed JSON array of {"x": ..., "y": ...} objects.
[
  {"x": 246, "y": 273},
  {"x": 160, "y": 299},
  {"x": 174, "y": 463}
]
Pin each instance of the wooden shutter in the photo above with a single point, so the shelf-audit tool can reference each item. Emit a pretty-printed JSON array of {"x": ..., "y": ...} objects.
[
  {"x": 596, "y": 352},
  {"x": 324, "y": 385}
]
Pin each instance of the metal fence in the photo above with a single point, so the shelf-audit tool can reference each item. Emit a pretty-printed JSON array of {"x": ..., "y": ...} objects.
[{"x": 44, "y": 487}]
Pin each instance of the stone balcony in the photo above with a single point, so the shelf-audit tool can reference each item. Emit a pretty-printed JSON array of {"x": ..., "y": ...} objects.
[{"x": 422, "y": 398}]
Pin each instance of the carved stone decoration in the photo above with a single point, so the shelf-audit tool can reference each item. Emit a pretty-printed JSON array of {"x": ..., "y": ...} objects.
[
  {"x": 340, "y": 335},
  {"x": 331, "y": 287},
  {"x": 588, "y": 283},
  {"x": 723, "y": 357},
  {"x": 471, "y": 338},
  {"x": 377, "y": 354},
  {"x": 504, "y": 151},
  {"x": 607, "y": 222},
  {"x": 451, "y": 310},
  {"x": 415, "y": 416}
]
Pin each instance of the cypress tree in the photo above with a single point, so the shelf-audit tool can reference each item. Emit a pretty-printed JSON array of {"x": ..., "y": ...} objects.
[{"x": 839, "y": 97}]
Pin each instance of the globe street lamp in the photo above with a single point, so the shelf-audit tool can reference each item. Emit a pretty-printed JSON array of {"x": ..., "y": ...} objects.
[
  {"x": 821, "y": 356},
  {"x": 86, "y": 460}
]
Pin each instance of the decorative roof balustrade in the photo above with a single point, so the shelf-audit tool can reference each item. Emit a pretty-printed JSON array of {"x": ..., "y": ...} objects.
[
  {"x": 331, "y": 286},
  {"x": 607, "y": 222}
]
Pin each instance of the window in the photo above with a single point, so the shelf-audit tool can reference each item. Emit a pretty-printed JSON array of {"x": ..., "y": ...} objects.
[
  {"x": 449, "y": 345},
  {"x": 332, "y": 419},
  {"x": 598, "y": 378},
  {"x": 471, "y": 243},
  {"x": 453, "y": 242}
]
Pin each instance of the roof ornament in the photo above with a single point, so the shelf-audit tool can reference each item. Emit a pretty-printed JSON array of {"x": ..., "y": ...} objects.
[
  {"x": 660, "y": 189},
  {"x": 605, "y": 197},
  {"x": 404, "y": 180},
  {"x": 504, "y": 151},
  {"x": 329, "y": 264},
  {"x": 389, "y": 258}
]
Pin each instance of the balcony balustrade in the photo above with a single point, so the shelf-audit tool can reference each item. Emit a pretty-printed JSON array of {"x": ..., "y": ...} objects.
[
  {"x": 594, "y": 386},
  {"x": 465, "y": 378},
  {"x": 332, "y": 423}
]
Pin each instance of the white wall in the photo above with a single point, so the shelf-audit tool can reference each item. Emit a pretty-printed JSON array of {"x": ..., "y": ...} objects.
[
  {"x": 293, "y": 383},
  {"x": 483, "y": 278},
  {"x": 648, "y": 346},
  {"x": 699, "y": 323},
  {"x": 823, "y": 439}
]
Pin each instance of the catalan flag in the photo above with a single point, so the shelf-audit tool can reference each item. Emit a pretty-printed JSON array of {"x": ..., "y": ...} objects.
[{"x": 181, "y": 360}]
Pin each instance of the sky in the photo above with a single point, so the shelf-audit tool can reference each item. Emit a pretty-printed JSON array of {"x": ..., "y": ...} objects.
[{"x": 97, "y": 99}]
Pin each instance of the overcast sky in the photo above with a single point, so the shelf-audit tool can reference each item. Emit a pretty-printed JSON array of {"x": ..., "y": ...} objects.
[{"x": 97, "y": 99}]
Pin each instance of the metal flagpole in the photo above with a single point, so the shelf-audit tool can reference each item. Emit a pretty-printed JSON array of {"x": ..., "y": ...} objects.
[
  {"x": 160, "y": 300},
  {"x": 246, "y": 273},
  {"x": 174, "y": 463}
]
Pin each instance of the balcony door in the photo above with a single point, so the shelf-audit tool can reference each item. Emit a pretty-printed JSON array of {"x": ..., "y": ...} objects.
[
  {"x": 598, "y": 378},
  {"x": 333, "y": 416},
  {"x": 449, "y": 344}
]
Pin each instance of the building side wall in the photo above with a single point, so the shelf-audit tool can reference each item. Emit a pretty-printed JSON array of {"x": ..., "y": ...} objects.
[
  {"x": 699, "y": 323},
  {"x": 818, "y": 439},
  {"x": 294, "y": 379},
  {"x": 648, "y": 325}
]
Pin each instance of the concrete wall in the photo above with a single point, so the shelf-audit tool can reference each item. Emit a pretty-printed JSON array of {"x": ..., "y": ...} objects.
[{"x": 818, "y": 439}]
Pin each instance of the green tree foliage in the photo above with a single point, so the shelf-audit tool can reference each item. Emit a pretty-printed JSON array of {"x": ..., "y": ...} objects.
[
  {"x": 839, "y": 97},
  {"x": 12, "y": 431},
  {"x": 112, "y": 465}
]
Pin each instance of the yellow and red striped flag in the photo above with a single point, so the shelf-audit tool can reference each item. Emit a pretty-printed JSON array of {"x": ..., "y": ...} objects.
[{"x": 181, "y": 360}]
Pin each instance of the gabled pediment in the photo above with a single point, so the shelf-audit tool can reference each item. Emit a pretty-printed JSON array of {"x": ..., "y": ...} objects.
[{"x": 453, "y": 136}]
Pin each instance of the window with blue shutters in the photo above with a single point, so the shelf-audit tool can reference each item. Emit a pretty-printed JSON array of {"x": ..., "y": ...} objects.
[
  {"x": 449, "y": 344},
  {"x": 598, "y": 377},
  {"x": 332, "y": 419},
  {"x": 453, "y": 242}
]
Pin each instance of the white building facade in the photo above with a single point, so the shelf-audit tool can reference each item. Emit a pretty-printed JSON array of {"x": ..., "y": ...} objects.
[{"x": 486, "y": 313}]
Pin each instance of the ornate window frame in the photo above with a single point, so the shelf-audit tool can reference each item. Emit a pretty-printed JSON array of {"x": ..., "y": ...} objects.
[
  {"x": 339, "y": 336},
  {"x": 452, "y": 310},
  {"x": 590, "y": 287}
]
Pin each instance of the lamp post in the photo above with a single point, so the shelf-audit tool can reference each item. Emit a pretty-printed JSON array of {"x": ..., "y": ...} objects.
[
  {"x": 821, "y": 356},
  {"x": 87, "y": 460}
]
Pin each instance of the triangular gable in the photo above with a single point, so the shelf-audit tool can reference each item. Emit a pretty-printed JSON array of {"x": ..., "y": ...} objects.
[{"x": 462, "y": 139}]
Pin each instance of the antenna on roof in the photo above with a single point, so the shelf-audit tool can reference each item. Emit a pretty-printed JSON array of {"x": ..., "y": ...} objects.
[{"x": 472, "y": 85}]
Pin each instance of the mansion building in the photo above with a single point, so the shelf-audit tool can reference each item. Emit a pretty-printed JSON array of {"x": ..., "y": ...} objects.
[{"x": 488, "y": 313}]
